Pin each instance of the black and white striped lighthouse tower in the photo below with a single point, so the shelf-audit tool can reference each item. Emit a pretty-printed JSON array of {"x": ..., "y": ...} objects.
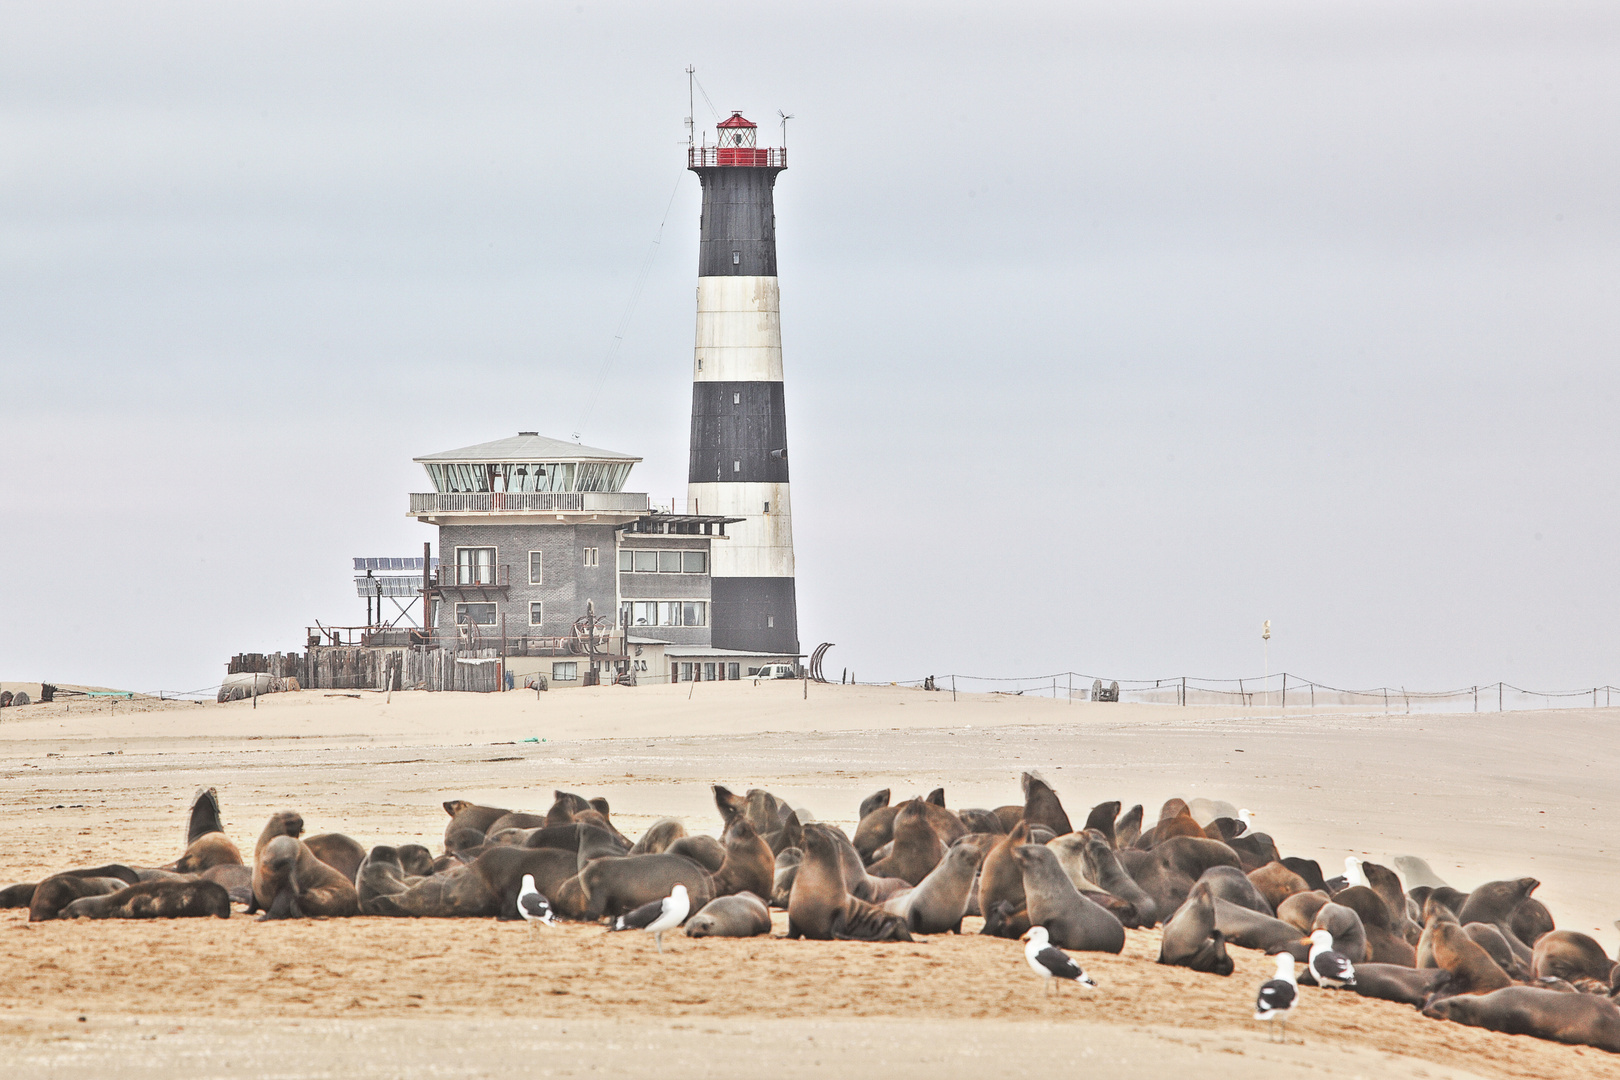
[{"x": 739, "y": 462}]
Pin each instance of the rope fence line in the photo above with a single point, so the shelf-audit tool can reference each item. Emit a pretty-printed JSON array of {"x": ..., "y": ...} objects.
[{"x": 1281, "y": 690}]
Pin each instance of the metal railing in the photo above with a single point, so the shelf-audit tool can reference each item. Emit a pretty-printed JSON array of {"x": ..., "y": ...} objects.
[
  {"x": 773, "y": 157},
  {"x": 498, "y": 502},
  {"x": 474, "y": 576}
]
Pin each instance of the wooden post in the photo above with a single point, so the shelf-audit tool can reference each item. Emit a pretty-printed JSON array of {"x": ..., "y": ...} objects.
[
  {"x": 1285, "y": 690},
  {"x": 953, "y": 687},
  {"x": 500, "y": 662},
  {"x": 1071, "y": 688},
  {"x": 1498, "y": 697},
  {"x": 1184, "y": 691}
]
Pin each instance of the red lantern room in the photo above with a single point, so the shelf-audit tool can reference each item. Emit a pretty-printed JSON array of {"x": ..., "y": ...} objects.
[{"x": 737, "y": 143}]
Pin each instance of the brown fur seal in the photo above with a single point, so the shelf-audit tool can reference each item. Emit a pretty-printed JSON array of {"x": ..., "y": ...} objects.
[
  {"x": 1387, "y": 884},
  {"x": 1002, "y": 921},
  {"x": 502, "y": 874},
  {"x": 1070, "y": 850},
  {"x": 381, "y": 874},
  {"x": 1000, "y": 877},
  {"x": 1052, "y": 901},
  {"x": 1472, "y": 970},
  {"x": 1349, "y": 936},
  {"x": 1194, "y": 855},
  {"x": 416, "y": 860},
  {"x": 1397, "y": 982},
  {"x": 917, "y": 847},
  {"x": 1232, "y": 885},
  {"x": 787, "y": 866},
  {"x": 1384, "y": 946},
  {"x": 1167, "y": 886},
  {"x": 1299, "y": 910},
  {"x": 289, "y": 882},
  {"x": 155, "y": 900},
  {"x": 1579, "y": 1019},
  {"x": 981, "y": 821},
  {"x": 58, "y": 891},
  {"x": 1102, "y": 867},
  {"x": 1566, "y": 954},
  {"x": 455, "y": 893},
  {"x": 659, "y": 835},
  {"x": 617, "y": 885},
  {"x": 1496, "y": 946},
  {"x": 748, "y": 865},
  {"x": 820, "y": 906},
  {"x": 334, "y": 849},
  {"x": 1101, "y": 819},
  {"x": 1190, "y": 939},
  {"x": 706, "y": 851},
  {"x": 1128, "y": 827},
  {"x": 234, "y": 878},
  {"x": 1495, "y": 901},
  {"x": 937, "y": 904},
  {"x": 467, "y": 819},
  {"x": 22, "y": 895},
  {"x": 739, "y": 915},
  {"x": 1309, "y": 869},
  {"x": 1009, "y": 816},
  {"x": 1043, "y": 807},
  {"x": 874, "y": 830},
  {"x": 1276, "y": 883},
  {"x": 206, "y": 843},
  {"x": 1434, "y": 913},
  {"x": 1251, "y": 929},
  {"x": 1530, "y": 920},
  {"x": 875, "y": 801}
]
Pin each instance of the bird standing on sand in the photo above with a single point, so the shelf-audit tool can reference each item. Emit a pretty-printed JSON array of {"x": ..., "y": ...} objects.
[
  {"x": 1278, "y": 996},
  {"x": 1050, "y": 962},
  {"x": 672, "y": 911},
  {"x": 1330, "y": 969},
  {"x": 532, "y": 906}
]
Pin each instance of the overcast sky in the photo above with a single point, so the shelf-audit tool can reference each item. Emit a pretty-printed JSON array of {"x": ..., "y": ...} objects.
[{"x": 1110, "y": 330}]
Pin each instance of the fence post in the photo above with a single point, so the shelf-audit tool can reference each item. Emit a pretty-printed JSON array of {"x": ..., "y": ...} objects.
[
  {"x": 1476, "y": 699},
  {"x": 1071, "y": 689},
  {"x": 1408, "y": 698},
  {"x": 1313, "y": 695},
  {"x": 1285, "y": 690},
  {"x": 1498, "y": 697},
  {"x": 953, "y": 687},
  {"x": 1184, "y": 691}
]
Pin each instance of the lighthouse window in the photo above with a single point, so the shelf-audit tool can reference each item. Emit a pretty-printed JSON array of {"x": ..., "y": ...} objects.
[
  {"x": 736, "y": 258},
  {"x": 770, "y": 621},
  {"x": 736, "y": 466},
  {"x": 736, "y": 399}
]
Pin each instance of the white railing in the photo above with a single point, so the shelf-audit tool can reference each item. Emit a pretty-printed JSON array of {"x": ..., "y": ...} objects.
[{"x": 507, "y": 502}]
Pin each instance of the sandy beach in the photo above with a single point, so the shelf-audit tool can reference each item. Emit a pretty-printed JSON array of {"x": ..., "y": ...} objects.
[{"x": 1480, "y": 796}]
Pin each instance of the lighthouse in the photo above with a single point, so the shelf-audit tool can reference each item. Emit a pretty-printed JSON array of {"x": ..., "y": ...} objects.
[{"x": 739, "y": 450}]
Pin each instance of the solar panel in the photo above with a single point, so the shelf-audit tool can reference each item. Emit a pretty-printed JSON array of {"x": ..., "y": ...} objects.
[
  {"x": 388, "y": 586},
  {"x": 387, "y": 563}
]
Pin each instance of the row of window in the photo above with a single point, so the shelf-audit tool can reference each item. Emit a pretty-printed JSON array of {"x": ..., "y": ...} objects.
[
  {"x": 638, "y": 613},
  {"x": 704, "y": 672},
  {"x": 647, "y": 561}
]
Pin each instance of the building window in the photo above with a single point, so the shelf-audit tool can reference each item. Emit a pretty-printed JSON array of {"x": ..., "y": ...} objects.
[
  {"x": 475, "y": 566},
  {"x": 565, "y": 671},
  {"x": 590, "y": 556},
  {"x": 731, "y": 670},
  {"x": 770, "y": 621},
  {"x": 736, "y": 399},
  {"x": 685, "y": 561},
  {"x": 475, "y": 614},
  {"x": 627, "y": 560},
  {"x": 646, "y": 562},
  {"x": 534, "y": 568},
  {"x": 537, "y": 613},
  {"x": 686, "y": 672},
  {"x": 669, "y": 562},
  {"x": 767, "y": 508},
  {"x": 736, "y": 466},
  {"x": 708, "y": 672},
  {"x": 668, "y": 612},
  {"x": 694, "y": 562}
]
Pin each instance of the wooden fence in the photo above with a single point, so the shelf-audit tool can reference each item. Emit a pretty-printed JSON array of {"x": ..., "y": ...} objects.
[{"x": 346, "y": 667}]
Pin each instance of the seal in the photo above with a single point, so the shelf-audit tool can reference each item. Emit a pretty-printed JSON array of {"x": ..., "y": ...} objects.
[
  {"x": 1043, "y": 807},
  {"x": 1002, "y": 921},
  {"x": 739, "y": 915},
  {"x": 1471, "y": 968},
  {"x": 501, "y": 873},
  {"x": 1233, "y": 885},
  {"x": 939, "y": 901},
  {"x": 1396, "y": 982},
  {"x": 1009, "y": 816},
  {"x": 466, "y": 820},
  {"x": 1299, "y": 910},
  {"x": 1434, "y": 912},
  {"x": 381, "y": 874},
  {"x": 1578, "y": 1019},
  {"x": 1128, "y": 828},
  {"x": 334, "y": 849},
  {"x": 1309, "y": 869},
  {"x": 1566, "y": 954},
  {"x": 875, "y": 801},
  {"x": 289, "y": 882},
  {"x": 659, "y": 835},
  {"x": 1072, "y": 921},
  {"x": 415, "y": 860},
  {"x": 1000, "y": 876},
  {"x": 1531, "y": 919},
  {"x": 820, "y": 906},
  {"x": 1102, "y": 866},
  {"x": 59, "y": 890},
  {"x": 1253, "y": 930},
  {"x": 787, "y": 866},
  {"x": 614, "y": 886},
  {"x": 1384, "y": 945},
  {"x": 1190, "y": 939},
  {"x": 747, "y": 864},
  {"x": 1166, "y": 885},
  {"x": 1101, "y": 819},
  {"x": 155, "y": 900},
  {"x": 207, "y": 845},
  {"x": 917, "y": 847},
  {"x": 1070, "y": 850},
  {"x": 1349, "y": 936},
  {"x": 706, "y": 851},
  {"x": 1496, "y": 946},
  {"x": 1387, "y": 884},
  {"x": 1276, "y": 883},
  {"x": 982, "y": 821},
  {"x": 1496, "y": 902}
]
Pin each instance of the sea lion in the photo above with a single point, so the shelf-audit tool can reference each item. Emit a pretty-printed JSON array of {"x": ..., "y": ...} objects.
[
  {"x": 917, "y": 847},
  {"x": 565, "y": 806},
  {"x": 1415, "y": 872},
  {"x": 415, "y": 860},
  {"x": 1232, "y": 885},
  {"x": 1472, "y": 970},
  {"x": 22, "y": 894},
  {"x": 1223, "y": 828},
  {"x": 1451, "y": 899},
  {"x": 1102, "y": 866},
  {"x": 616, "y": 885},
  {"x": 155, "y": 900},
  {"x": 1000, "y": 877},
  {"x": 206, "y": 843},
  {"x": 1167, "y": 886},
  {"x": 381, "y": 874},
  {"x": 1128, "y": 827},
  {"x": 342, "y": 853},
  {"x": 1174, "y": 821},
  {"x": 1579, "y": 1019},
  {"x": 1254, "y": 850},
  {"x": 787, "y": 866},
  {"x": 517, "y": 821},
  {"x": 466, "y": 819},
  {"x": 59, "y": 890},
  {"x": 1567, "y": 954},
  {"x": 874, "y": 830},
  {"x": 747, "y": 864},
  {"x": 1384, "y": 881},
  {"x": 1349, "y": 936},
  {"x": 454, "y": 893},
  {"x": 982, "y": 821},
  {"x": 1384, "y": 946},
  {"x": 739, "y": 915},
  {"x": 1531, "y": 919},
  {"x": 1043, "y": 807},
  {"x": 1276, "y": 883},
  {"x": 1002, "y": 921},
  {"x": 502, "y": 872},
  {"x": 1434, "y": 912},
  {"x": 937, "y": 904},
  {"x": 875, "y": 801},
  {"x": 1496, "y": 946},
  {"x": 937, "y": 797},
  {"x": 1009, "y": 815},
  {"x": 1309, "y": 869},
  {"x": 1070, "y": 850},
  {"x": 235, "y": 878},
  {"x": 1299, "y": 910},
  {"x": 289, "y": 882},
  {"x": 1190, "y": 939},
  {"x": 18, "y": 895},
  {"x": 1194, "y": 855},
  {"x": 820, "y": 907},
  {"x": 1495, "y": 901},
  {"x": 1397, "y": 982},
  {"x": 789, "y": 835},
  {"x": 702, "y": 849},
  {"x": 659, "y": 835},
  {"x": 1251, "y": 929},
  {"x": 1101, "y": 818},
  {"x": 1072, "y": 921}
]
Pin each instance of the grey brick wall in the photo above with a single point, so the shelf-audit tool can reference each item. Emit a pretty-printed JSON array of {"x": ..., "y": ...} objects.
[{"x": 566, "y": 582}]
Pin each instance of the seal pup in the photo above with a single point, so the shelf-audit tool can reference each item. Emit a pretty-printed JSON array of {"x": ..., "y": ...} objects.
[
  {"x": 659, "y": 835},
  {"x": 1396, "y": 982},
  {"x": 1471, "y": 968},
  {"x": 1578, "y": 1019},
  {"x": 1567, "y": 954},
  {"x": 1276, "y": 883},
  {"x": 1299, "y": 910},
  {"x": 1190, "y": 938},
  {"x": 1278, "y": 996},
  {"x": 1330, "y": 968},
  {"x": 289, "y": 882},
  {"x": 1415, "y": 872},
  {"x": 155, "y": 900},
  {"x": 1343, "y": 926},
  {"x": 59, "y": 890},
  {"x": 1073, "y": 921},
  {"x": 937, "y": 904},
  {"x": 1042, "y": 805},
  {"x": 820, "y": 906},
  {"x": 1102, "y": 866},
  {"x": 787, "y": 866},
  {"x": 1051, "y": 963},
  {"x": 739, "y": 915},
  {"x": 917, "y": 847}
]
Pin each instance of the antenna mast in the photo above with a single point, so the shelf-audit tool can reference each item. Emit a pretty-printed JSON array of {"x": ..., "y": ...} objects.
[{"x": 691, "y": 73}]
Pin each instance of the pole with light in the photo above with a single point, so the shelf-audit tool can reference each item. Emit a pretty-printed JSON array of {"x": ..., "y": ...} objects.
[{"x": 1265, "y": 652}]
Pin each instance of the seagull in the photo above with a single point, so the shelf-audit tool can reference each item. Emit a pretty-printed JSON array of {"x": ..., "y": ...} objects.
[
  {"x": 1353, "y": 872},
  {"x": 1278, "y": 996},
  {"x": 672, "y": 911},
  {"x": 1247, "y": 817},
  {"x": 1050, "y": 962},
  {"x": 1331, "y": 969},
  {"x": 532, "y": 906}
]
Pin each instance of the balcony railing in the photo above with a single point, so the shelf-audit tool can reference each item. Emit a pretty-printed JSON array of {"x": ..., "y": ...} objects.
[
  {"x": 473, "y": 577},
  {"x": 774, "y": 157},
  {"x": 510, "y": 502}
]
